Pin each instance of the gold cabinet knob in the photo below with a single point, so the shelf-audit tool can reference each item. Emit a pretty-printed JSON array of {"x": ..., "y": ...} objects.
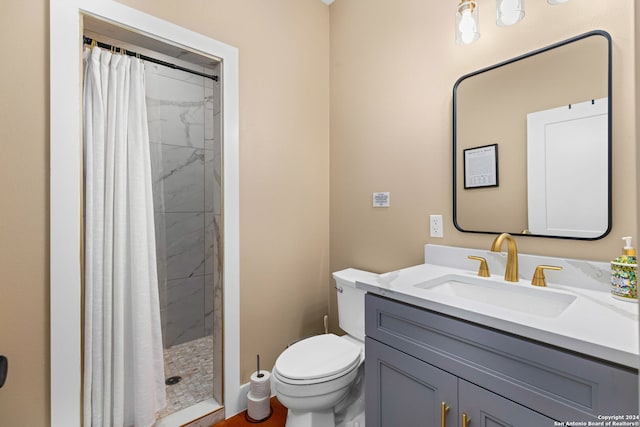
[
  {"x": 483, "y": 271},
  {"x": 538, "y": 276}
]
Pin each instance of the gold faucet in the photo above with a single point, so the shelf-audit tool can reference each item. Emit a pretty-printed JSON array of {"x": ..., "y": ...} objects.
[{"x": 511, "y": 272}]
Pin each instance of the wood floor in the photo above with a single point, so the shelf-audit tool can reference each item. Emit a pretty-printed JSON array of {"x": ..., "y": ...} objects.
[{"x": 277, "y": 418}]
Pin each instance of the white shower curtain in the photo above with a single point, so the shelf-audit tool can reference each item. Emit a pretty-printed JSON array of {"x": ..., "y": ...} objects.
[{"x": 123, "y": 359}]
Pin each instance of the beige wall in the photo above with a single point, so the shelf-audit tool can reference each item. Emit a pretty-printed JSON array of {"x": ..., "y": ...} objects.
[
  {"x": 393, "y": 67},
  {"x": 24, "y": 231}
]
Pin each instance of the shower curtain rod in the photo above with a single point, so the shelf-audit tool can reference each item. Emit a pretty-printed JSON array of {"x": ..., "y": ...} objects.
[{"x": 89, "y": 40}]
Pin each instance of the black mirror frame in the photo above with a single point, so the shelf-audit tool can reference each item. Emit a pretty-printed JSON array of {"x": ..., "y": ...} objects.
[{"x": 602, "y": 33}]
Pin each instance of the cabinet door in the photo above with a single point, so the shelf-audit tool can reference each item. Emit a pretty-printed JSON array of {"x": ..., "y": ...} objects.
[
  {"x": 401, "y": 390},
  {"x": 486, "y": 409}
]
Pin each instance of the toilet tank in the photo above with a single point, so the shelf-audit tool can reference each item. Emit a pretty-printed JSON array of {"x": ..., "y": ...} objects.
[{"x": 351, "y": 300}]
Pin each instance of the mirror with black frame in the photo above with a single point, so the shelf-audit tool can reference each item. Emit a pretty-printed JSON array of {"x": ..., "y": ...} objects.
[{"x": 532, "y": 143}]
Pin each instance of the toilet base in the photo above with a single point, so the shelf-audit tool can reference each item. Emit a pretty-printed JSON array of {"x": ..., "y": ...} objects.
[{"x": 310, "y": 419}]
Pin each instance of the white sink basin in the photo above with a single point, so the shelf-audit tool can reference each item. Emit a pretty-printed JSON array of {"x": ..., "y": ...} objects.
[{"x": 542, "y": 302}]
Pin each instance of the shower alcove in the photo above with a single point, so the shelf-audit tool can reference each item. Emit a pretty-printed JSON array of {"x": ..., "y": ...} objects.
[
  {"x": 188, "y": 147},
  {"x": 183, "y": 117}
]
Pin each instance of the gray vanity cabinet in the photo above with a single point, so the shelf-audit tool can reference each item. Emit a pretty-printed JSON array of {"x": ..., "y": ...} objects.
[
  {"x": 404, "y": 391},
  {"x": 416, "y": 359}
]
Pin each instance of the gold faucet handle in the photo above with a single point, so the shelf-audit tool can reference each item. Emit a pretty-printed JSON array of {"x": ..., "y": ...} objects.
[
  {"x": 538, "y": 276},
  {"x": 484, "y": 268}
]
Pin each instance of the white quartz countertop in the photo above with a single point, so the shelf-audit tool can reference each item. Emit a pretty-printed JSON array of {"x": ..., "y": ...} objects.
[{"x": 594, "y": 324}]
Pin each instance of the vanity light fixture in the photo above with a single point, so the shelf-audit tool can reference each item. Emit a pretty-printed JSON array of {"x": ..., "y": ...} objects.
[
  {"x": 509, "y": 12},
  {"x": 467, "y": 22}
]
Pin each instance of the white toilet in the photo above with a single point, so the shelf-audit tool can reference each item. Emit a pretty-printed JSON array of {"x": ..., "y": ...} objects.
[{"x": 315, "y": 375}]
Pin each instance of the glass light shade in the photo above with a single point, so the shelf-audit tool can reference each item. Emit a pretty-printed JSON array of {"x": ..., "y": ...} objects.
[
  {"x": 509, "y": 12},
  {"x": 467, "y": 28},
  {"x": 556, "y": 1}
]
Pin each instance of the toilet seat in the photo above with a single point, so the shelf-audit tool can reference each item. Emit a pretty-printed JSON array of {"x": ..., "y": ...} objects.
[{"x": 317, "y": 359}]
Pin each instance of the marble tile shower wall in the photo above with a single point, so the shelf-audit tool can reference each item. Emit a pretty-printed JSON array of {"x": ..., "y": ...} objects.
[{"x": 184, "y": 116}]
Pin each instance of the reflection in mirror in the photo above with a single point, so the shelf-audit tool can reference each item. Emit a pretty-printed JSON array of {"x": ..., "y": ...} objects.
[{"x": 548, "y": 113}]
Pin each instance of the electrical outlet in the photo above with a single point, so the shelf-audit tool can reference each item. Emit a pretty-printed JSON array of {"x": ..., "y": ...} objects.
[{"x": 435, "y": 225}]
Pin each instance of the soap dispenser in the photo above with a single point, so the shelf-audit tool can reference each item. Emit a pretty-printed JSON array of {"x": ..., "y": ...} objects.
[{"x": 624, "y": 273}]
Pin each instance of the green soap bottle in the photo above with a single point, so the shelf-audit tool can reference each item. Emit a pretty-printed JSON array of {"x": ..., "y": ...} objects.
[{"x": 624, "y": 274}]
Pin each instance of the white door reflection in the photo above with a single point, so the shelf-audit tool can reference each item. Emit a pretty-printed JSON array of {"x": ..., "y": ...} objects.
[{"x": 567, "y": 170}]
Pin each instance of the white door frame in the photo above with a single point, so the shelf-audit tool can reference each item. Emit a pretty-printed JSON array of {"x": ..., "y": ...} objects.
[{"x": 66, "y": 194}]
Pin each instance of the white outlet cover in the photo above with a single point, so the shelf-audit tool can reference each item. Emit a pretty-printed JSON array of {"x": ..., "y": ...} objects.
[{"x": 435, "y": 226}]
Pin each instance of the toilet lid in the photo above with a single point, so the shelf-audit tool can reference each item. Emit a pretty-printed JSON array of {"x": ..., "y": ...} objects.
[{"x": 317, "y": 357}]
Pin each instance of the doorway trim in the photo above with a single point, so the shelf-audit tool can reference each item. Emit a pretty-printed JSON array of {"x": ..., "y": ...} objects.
[{"x": 66, "y": 194}]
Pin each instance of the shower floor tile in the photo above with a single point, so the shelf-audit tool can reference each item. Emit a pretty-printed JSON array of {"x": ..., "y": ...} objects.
[{"x": 193, "y": 361}]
